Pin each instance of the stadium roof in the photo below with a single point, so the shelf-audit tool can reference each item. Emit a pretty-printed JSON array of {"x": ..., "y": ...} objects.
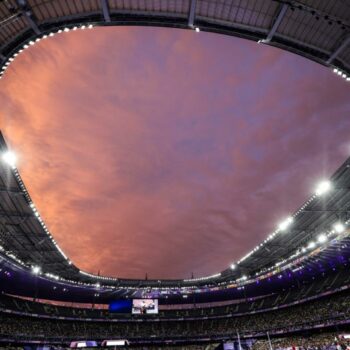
[
  {"x": 316, "y": 29},
  {"x": 318, "y": 227}
]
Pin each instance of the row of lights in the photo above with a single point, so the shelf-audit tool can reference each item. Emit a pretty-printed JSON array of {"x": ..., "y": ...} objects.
[
  {"x": 341, "y": 74},
  {"x": 322, "y": 238},
  {"x": 216, "y": 275},
  {"x": 32, "y": 42},
  {"x": 45, "y": 36},
  {"x": 336, "y": 70},
  {"x": 322, "y": 188},
  {"x": 338, "y": 229},
  {"x": 105, "y": 278},
  {"x": 10, "y": 158}
]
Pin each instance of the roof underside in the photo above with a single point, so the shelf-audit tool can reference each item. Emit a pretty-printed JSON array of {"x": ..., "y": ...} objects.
[{"x": 316, "y": 29}]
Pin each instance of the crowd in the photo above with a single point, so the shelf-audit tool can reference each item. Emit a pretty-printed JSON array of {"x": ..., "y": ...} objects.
[
  {"x": 336, "y": 303},
  {"x": 245, "y": 305},
  {"x": 184, "y": 347},
  {"x": 322, "y": 341},
  {"x": 324, "y": 311}
]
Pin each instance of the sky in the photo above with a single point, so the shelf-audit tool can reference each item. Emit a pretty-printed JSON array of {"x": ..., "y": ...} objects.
[{"x": 165, "y": 151}]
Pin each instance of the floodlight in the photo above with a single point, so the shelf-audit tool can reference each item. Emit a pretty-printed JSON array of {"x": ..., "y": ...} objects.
[
  {"x": 323, "y": 187},
  {"x": 233, "y": 266},
  {"x": 322, "y": 238},
  {"x": 36, "y": 270},
  {"x": 9, "y": 158},
  {"x": 197, "y": 30},
  {"x": 339, "y": 227},
  {"x": 284, "y": 224},
  {"x": 312, "y": 245}
]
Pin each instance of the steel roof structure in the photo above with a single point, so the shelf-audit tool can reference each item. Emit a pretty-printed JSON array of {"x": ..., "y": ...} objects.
[
  {"x": 316, "y": 29},
  {"x": 26, "y": 242}
]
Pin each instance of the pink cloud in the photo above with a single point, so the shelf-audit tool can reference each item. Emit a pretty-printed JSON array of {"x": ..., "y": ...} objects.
[{"x": 166, "y": 152}]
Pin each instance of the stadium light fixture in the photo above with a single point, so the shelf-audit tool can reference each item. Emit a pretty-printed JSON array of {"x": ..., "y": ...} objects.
[
  {"x": 323, "y": 187},
  {"x": 284, "y": 224},
  {"x": 339, "y": 227},
  {"x": 322, "y": 238},
  {"x": 311, "y": 245},
  {"x": 197, "y": 30},
  {"x": 36, "y": 270},
  {"x": 9, "y": 158},
  {"x": 233, "y": 266}
]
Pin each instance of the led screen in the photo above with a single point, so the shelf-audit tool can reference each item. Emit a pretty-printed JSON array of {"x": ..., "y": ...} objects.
[
  {"x": 229, "y": 346},
  {"x": 144, "y": 306},
  {"x": 121, "y": 306},
  {"x": 118, "y": 342},
  {"x": 83, "y": 344}
]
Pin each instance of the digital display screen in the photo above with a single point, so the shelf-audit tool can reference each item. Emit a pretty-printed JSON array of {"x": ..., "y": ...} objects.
[
  {"x": 118, "y": 342},
  {"x": 144, "y": 306},
  {"x": 121, "y": 306},
  {"x": 229, "y": 346},
  {"x": 83, "y": 344}
]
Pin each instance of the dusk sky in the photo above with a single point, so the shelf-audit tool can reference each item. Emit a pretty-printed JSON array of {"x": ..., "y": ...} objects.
[{"x": 168, "y": 151}]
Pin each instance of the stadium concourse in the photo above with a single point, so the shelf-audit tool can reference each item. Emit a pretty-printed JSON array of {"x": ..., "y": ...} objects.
[{"x": 290, "y": 291}]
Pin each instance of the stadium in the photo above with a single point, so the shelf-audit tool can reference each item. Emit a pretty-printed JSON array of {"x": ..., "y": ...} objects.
[{"x": 291, "y": 290}]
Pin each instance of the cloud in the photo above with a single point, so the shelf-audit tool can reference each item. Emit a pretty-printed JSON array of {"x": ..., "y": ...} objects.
[{"x": 167, "y": 152}]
